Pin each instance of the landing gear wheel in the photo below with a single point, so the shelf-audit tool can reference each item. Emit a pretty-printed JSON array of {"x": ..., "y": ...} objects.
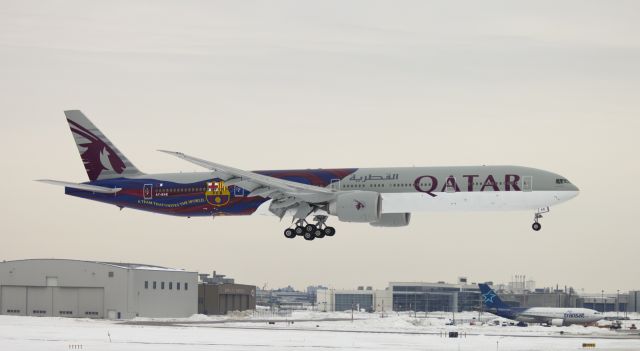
[
  {"x": 299, "y": 230},
  {"x": 536, "y": 224},
  {"x": 308, "y": 236},
  {"x": 318, "y": 234},
  {"x": 289, "y": 233},
  {"x": 310, "y": 228},
  {"x": 329, "y": 231}
]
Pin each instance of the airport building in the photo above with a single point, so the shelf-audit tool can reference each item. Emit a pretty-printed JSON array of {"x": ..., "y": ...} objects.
[
  {"x": 284, "y": 298},
  {"x": 634, "y": 301},
  {"x": 90, "y": 289},
  {"x": 618, "y": 302},
  {"x": 540, "y": 298},
  {"x": 218, "y": 295},
  {"x": 328, "y": 300},
  {"x": 403, "y": 296},
  {"x": 440, "y": 296}
]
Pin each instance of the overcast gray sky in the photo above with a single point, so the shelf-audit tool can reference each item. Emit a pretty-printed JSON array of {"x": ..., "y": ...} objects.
[{"x": 306, "y": 84}]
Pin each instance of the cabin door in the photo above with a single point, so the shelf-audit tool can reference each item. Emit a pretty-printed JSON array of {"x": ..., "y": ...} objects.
[
  {"x": 527, "y": 183},
  {"x": 147, "y": 191}
]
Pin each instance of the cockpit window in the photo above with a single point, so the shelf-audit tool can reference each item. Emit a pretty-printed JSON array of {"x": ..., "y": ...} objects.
[{"x": 562, "y": 181}]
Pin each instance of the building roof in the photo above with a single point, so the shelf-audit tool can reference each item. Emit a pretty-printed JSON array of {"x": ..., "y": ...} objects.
[{"x": 122, "y": 265}]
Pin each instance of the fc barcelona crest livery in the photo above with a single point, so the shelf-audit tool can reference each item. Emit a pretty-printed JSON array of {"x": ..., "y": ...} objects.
[
  {"x": 381, "y": 197},
  {"x": 217, "y": 193}
]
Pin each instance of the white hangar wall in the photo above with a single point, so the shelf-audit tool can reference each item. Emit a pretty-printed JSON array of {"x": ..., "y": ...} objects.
[{"x": 72, "y": 288}]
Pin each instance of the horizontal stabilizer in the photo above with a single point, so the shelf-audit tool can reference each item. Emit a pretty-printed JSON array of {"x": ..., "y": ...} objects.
[{"x": 85, "y": 187}]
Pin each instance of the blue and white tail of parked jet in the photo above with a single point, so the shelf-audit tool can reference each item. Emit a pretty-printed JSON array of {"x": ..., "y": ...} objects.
[
  {"x": 381, "y": 197},
  {"x": 549, "y": 315}
]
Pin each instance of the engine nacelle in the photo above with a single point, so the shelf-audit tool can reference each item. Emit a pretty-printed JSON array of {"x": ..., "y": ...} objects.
[
  {"x": 392, "y": 220},
  {"x": 558, "y": 322},
  {"x": 357, "y": 206}
]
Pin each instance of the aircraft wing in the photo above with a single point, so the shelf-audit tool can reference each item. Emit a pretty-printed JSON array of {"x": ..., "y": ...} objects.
[
  {"x": 86, "y": 187},
  {"x": 283, "y": 191},
  {"x": 536, "y": 317}
]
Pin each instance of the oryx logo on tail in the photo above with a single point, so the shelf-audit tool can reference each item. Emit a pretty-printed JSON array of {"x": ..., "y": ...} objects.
[
  {"x": 96, "y": 155},
  {"x": 101, "y": 158}
]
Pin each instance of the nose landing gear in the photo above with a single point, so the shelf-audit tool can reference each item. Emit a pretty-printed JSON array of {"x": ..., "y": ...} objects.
[{"x": 536, "y": 224}]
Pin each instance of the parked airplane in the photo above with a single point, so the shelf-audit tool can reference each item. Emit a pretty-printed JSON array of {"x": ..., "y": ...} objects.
[
  {"x": 549, "y": 315},
  {"x": 383, "y": 197}
]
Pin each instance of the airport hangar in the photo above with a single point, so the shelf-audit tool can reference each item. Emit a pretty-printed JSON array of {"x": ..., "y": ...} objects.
[{"x": 74, "y": 288}]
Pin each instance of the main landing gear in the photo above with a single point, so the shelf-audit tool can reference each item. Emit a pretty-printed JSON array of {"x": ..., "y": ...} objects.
[
  {"x": 536, "y": 225},
  {"x": 310, "y": 231}
]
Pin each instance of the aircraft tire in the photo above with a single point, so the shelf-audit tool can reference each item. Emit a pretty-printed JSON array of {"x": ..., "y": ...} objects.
[
  {"x": 289, "y": 233},
  {"x": 318, "y": 234},
  {"x": 310, "y": 228},
  {"x": 329, "y": 231},
  {"x": 308, "y": 236},
  {"x": 299, "y": 230},
  {"x": 536, "y": 226}
]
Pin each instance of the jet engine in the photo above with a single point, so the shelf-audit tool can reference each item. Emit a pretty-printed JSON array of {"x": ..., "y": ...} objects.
[
  {"x": 392, "y": 220},
  {"x": 558, "y": 322},
  {"x": 357, "y": 206}
]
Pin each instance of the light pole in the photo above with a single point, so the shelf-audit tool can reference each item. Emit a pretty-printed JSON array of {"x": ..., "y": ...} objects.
[
  {"x": 351, "y": 311},
  {"x": 618, "y": 304},
  {"x": 426, "y": 313}
]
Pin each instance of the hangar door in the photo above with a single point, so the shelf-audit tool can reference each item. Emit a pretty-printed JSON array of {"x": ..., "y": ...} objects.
[
  {"x": 14, "y": 300},
  {"x": 65, "y": 302},
  {"x": 52, "y": 301},
  {"x": 91, "y": 302},
  {"x": 39, "y": 301}
]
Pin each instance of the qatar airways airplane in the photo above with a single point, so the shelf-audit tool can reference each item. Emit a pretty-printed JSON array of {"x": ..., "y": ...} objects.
[
  {"x": 382, "y": 197},
  {"x": 557, "y": 316}
]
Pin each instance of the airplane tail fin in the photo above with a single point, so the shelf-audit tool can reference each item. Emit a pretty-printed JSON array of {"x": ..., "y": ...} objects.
[
  {"x": 490, "y": 299},
  {"x": 102, "y": 160}
]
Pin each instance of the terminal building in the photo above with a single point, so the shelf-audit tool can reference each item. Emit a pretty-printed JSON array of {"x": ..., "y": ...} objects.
[
  {"x": 404, "y": 296},
  {"x": 541, "y": 298},
  {"x": 440, "y": 296},
  {"x": 91, "y": 289},
  {"x": 284, "y": 298},
  {"x": 622, "y": 302},
  {"x": 328, "y": 300}
]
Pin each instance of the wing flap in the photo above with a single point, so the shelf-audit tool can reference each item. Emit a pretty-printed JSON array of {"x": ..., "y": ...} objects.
[
  {"x": 302, "y": 191},
  {"x": 85, "y": 187}
]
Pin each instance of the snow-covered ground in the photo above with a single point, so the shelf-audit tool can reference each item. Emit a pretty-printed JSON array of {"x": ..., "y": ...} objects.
[{"x": 309, "y": 330}]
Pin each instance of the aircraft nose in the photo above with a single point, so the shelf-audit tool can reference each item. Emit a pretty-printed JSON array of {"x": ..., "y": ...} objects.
[
  {"x": 573, "y": 191},
  {"x": 575, "y": 188}
]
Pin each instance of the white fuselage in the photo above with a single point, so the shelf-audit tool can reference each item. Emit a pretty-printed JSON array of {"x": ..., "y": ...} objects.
[
  {"x": 567, "y": 316},
  {"x": 469, "y": 188}
]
